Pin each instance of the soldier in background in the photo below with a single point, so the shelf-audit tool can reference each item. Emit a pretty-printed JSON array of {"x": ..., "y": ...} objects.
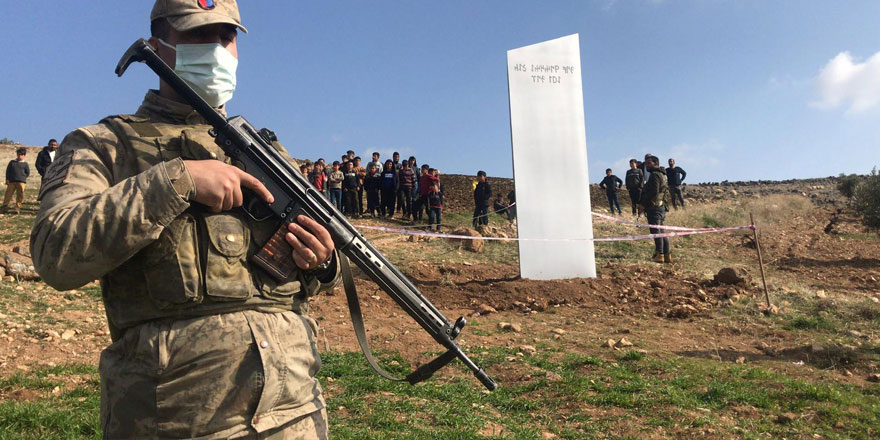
[
  {"x": 655, "y": 207},
  {"x": 205, "y": 344},
  {"x": 635, "y": 181}
]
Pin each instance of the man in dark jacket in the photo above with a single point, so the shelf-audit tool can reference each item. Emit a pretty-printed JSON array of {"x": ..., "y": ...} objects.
[
  {"x": 635, "y": 180},
  {"x": 675, "y": 176},
  {"x": 482, "y": 200},
  {"x": 654, "y": 204},
  {"x": 388, "y": 189},
  {"x": 17, "y": 173},
  {"x": 46, "y": 156},
  {"x": 611, "y": 184}
]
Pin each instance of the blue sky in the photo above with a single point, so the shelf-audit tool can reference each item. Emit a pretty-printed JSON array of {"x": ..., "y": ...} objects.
[{"x": 734, "y": 90}]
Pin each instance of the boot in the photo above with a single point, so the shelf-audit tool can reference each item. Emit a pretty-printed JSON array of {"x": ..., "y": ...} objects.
[
  {"x": 658, "y": 257},
  {"x": 667, "y": 258}
]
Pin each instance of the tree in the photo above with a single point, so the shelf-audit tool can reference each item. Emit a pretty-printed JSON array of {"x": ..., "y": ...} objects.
[
  {"x": 866, "y": 200},
  {"x": 847, "y": 185}
]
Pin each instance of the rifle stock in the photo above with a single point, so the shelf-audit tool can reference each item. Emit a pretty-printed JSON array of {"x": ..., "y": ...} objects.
[{"x": 294, "y": 196}]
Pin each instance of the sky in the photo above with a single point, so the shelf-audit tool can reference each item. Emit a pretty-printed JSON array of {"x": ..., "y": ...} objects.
[{"x": 733, "y": 90}]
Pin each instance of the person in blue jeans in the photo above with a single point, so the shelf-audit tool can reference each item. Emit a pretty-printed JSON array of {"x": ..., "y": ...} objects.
[
  {"x": 611, "y": 184},
  {"x": 435, "y": 206},
  {"x": 335, "y": 185}
]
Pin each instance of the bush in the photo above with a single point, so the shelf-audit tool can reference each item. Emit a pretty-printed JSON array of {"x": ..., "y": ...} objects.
[
  {"x": 866, "y": 200},
  {"x": 847, "y": 185}
]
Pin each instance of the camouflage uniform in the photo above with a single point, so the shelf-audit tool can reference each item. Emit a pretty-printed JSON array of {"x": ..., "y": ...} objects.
[{"x": 204, "y": 344}]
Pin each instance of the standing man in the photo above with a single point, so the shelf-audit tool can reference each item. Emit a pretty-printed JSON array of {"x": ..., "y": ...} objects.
[
  {"x": 17, "y": 173},
  {"x": 675, "y": 176},
  {"x": 46, "y": 156},
  {"x": 482, "y": 200},
  {"x": 611, "y": 184},
  {"x": 635, "y": 181},
  {"x": 654, "y": 204},
  {"x": 205, "y": 344}
]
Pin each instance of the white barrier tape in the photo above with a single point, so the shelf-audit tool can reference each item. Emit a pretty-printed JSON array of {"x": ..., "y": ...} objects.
[
  {"x": 645, "y": 225},
  {"x": 619, "y": 238}
]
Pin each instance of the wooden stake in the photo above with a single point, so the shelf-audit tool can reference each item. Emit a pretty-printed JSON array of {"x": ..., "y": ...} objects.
[{"x": 760, "y": 259}]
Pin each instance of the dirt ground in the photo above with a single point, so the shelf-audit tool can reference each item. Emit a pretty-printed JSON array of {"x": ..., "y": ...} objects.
[{"x": 672, "y": 309}]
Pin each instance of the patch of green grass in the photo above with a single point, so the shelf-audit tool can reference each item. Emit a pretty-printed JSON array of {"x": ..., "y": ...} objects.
[
  {"x": 818, "y": 322},
  {"x": 711, "y": 222},
  {"x": 72, "y": 414},
  {"x": 572, "y": 395}
]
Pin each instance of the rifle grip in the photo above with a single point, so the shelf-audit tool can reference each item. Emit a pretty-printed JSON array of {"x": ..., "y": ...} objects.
[{"x": 276, "y": 256}]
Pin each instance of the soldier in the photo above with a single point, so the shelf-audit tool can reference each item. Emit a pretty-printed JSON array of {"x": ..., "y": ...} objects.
[
  {"x": 205, "y": 344},
  {"x": 654, "y": 203}
]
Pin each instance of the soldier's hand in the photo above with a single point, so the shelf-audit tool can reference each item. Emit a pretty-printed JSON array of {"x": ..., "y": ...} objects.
[
  {"x": 218, "y": 185},
  {"x": 311, "y": 243}
]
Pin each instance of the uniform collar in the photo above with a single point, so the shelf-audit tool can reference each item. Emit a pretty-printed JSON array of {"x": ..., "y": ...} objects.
[{"x": 162, "y": 109}]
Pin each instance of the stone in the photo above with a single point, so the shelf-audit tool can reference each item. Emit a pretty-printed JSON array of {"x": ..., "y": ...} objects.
[
  {"x": 623, "y": 342},
  {"x": 609, "y": 343},
  {"x": 785, "y": 418},
  {"x": 530, "y": 349},
  {"x": 559, "y": 331},
  {"x": 681, "y": 311},
  {"x": 856, "y": 334},
  {"x": 741, "y": 360},
  {"x": 67, "y": 335},
  {"x": 22, "y": 250},
  {"x": 510, "y": 327},
  {"x": 732, "y": 275},
  {"x": 821, "y": 294},
  {"x": 874, "y": 378},
  {"x": 475, "y": 244},
  {"x": 485, "y": 309}
]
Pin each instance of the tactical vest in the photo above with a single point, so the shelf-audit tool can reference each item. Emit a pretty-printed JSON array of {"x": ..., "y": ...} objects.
[
  {"x": 659, "y": 198},
  {"x": 199, "y": 265}
]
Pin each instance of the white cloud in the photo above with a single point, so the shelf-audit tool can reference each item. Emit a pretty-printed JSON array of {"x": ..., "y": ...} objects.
[{"x": 848, "y": 82}]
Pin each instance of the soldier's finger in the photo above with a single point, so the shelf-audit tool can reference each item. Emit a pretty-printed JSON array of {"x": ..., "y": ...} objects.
[
  {"x": 237, "y": 197},
  {"x": 228, "y": 199},
  {"x": 299, "y": 249},
  {"x": 320, "y": 232},
  {"x": 254, "y": 184},
  {"x": 310, "y": 241},
  {"x": 301, "y": 262}
]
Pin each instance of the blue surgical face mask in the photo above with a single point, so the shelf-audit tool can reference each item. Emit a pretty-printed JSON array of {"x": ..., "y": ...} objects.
[{"x": 208, "y": 68}]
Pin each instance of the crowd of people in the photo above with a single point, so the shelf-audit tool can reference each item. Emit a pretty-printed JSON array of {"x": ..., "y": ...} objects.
[
  {"x": 650, "y": 186},
  {"x": 392, "y": 186},
  {"x": 636, "y": 178}
]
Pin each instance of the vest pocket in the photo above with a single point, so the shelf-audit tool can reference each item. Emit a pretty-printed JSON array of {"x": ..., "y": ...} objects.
[
  {"x": 171, "y": 264},
  {"x": 226, "y": 270}
]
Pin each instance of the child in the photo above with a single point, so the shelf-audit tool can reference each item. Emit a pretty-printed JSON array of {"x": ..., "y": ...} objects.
[
  {"x": 349, "y": 190},
  {"x": 435, "y": 206},
  {"x": 318, "y": 178},
  {"x": 17, "y": 173},
  {"x": 335, "y": 185}
]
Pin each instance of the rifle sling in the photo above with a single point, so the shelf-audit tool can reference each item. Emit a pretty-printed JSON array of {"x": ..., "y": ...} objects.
[{"x": 357, "y": 321}]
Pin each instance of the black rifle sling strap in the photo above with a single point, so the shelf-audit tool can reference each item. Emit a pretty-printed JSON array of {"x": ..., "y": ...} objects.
[{"x": 357, "y": 319}]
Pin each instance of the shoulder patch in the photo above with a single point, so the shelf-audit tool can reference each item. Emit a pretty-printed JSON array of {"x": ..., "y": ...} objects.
[{"x": 56, "y": 173}]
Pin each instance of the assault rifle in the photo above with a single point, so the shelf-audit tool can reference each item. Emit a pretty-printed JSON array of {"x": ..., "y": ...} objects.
[{"x": 252, "y": 150}]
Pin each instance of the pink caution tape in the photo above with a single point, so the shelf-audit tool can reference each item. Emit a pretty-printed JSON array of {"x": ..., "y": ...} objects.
[{"x": 620, "y": 238}]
